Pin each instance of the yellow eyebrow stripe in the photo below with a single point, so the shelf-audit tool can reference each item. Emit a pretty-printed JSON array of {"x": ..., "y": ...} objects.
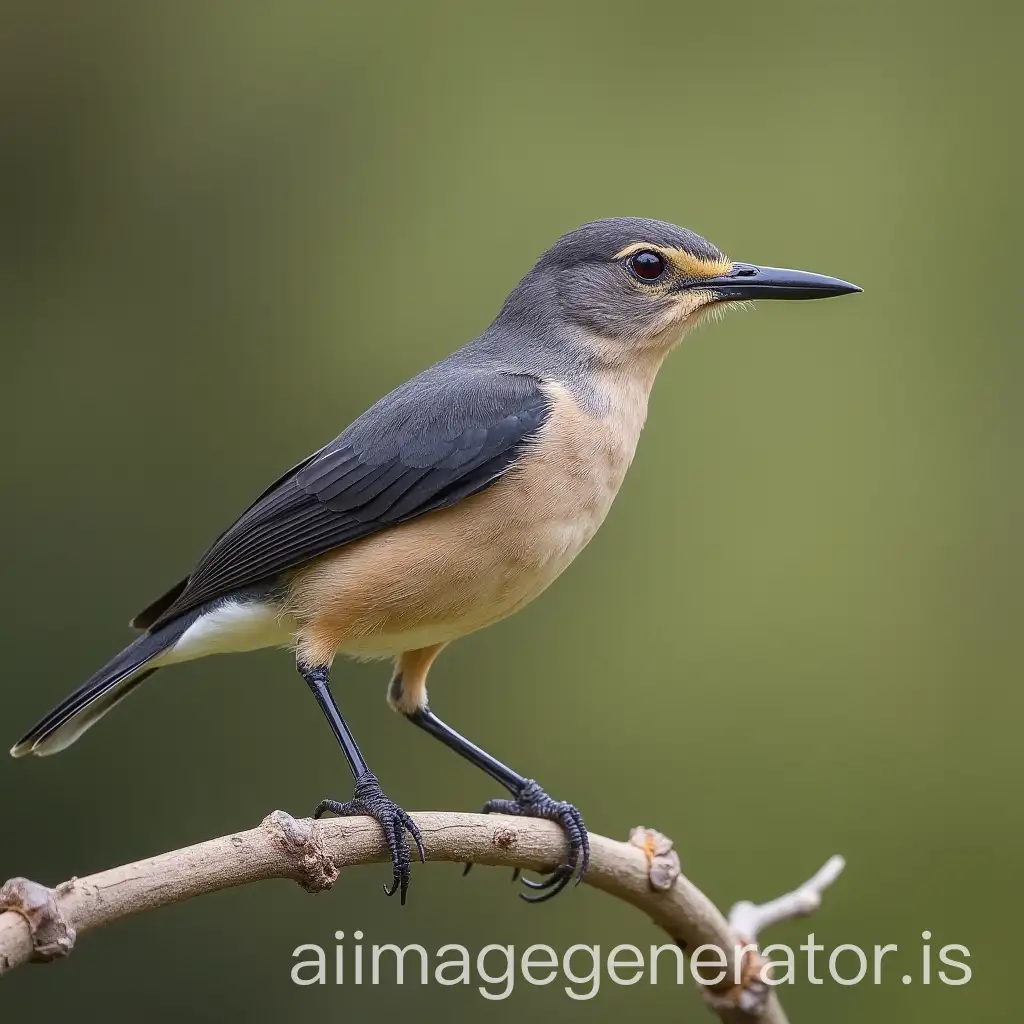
[{"x": 686, "y": 263}]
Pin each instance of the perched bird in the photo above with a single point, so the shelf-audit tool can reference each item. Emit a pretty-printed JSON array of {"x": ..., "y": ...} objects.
[{"x": 449, "y": 504}]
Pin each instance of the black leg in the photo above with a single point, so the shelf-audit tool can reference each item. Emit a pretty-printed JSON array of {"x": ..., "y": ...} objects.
[
  {"x": 528, "y": 800},
  {"x": 368, "y": 797}
]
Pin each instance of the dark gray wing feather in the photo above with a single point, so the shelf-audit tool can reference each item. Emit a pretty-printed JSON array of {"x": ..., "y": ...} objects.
[{"x": 439, "y": 438}]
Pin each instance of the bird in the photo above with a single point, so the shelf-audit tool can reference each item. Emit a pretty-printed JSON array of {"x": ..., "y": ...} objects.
[{"x": 448, "y": 505}]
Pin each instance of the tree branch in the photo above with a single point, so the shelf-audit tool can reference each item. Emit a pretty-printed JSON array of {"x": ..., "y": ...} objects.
[{"x": 37, "y": 923}]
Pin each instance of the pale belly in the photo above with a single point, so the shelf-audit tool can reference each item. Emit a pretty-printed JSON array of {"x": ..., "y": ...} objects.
[
  {"x": 454, "y": 571},
  {"x": 476, "y": 590}
]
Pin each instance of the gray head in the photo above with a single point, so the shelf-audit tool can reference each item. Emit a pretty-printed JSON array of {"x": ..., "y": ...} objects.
[{"x": 639, "y": 284}]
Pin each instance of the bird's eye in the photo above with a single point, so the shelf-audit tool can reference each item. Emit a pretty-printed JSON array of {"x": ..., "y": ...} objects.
[{"x": 646, "y": 265}]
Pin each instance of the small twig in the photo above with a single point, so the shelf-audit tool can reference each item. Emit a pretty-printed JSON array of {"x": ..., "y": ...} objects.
[
  {"x": 37, "y": 923},
  {"x": 750, "y": 919}
]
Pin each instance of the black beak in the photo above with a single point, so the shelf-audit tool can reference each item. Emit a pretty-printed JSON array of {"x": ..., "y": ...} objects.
[{"x": 746, "y": 281}]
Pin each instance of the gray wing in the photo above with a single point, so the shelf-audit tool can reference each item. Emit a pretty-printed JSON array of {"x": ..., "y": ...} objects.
[{"x": 437, "y": 439}]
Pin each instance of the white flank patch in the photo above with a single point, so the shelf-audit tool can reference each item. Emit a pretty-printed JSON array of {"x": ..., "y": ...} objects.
[{"x": 232, "y": 627}]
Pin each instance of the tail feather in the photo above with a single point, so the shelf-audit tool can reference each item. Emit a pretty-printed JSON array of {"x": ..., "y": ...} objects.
[{"x": 98, "y": 694}]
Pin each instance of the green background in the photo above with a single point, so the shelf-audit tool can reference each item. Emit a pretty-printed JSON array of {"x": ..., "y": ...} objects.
[{"x": 227, "y": 228}]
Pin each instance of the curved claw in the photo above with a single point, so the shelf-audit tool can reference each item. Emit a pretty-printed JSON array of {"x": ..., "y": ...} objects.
[
  {"x": 553, "y": 879},
  {"x": 556, "y": 882},
  {"x": 532, "y": 801},
  {"x": 369, "y": 799}
]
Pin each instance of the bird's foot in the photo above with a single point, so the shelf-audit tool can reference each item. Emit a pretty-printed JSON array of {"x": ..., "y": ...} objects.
[
  {"x": 368, "y": 798},
  {"x": 532, "y": 802}
]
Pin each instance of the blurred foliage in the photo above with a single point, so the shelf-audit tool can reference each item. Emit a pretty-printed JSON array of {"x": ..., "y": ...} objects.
[{"x": 227, "y": 228}]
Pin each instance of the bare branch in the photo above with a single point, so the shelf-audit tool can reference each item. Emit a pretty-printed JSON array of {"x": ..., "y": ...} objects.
[{"x": 37, "y": 923}]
